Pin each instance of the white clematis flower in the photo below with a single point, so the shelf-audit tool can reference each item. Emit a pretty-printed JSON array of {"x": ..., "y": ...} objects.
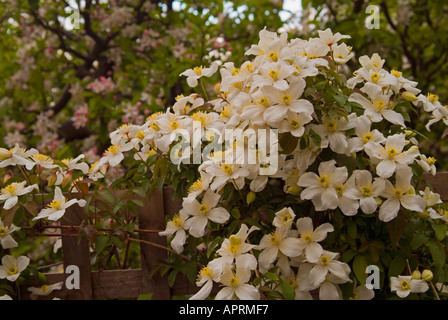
[
  {"x": 11, "y": 193},
  {"x": 236, "y": 286},
  {"x": 44, "y": 290},
  {"x": 309, "y": 237},
  {"x": 12, "y": 267},
  {"x": 202, "y": 212},
  {"x": 321, "y": 188},
  {"x": 235, "y": 249},
  {"x": 6, "y": 240},
  {"x": 364, "y": 190},
  {"x": 279, "y": 241},
  {"x": 400, "y": 195},
  {"x": 176, "y": 226},
  {"x": 57, "y": 207},
  {"x": 391, "y": 155},
  {"x": 193, "y": 75},
  {"x": 404, "y": 285}
]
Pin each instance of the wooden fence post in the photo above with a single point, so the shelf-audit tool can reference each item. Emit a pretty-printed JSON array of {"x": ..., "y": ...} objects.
[
  {"x": 75, "y": 252},
  {"x": 152, "y": 216}
]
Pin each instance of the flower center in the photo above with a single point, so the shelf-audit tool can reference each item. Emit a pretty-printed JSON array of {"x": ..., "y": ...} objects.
[
  {"x": 177, "y": 221},
  {"x": 56, "y": 204},
  {"x": 234, "y": 281},
  {"x": 44, "y": 288},
  {"x": 273, "y": 238},
  {"x": 263, "y": 101},
  {"x": 174, "y": 125},
  {"x": 203, "y": 209},
  {"x": 12, "y": 270},
  {"x": 235, "y": 244},
  {"x": 205, "y": 273},
  {"x": 227, "y": 168},
  {"x": 396, "y": 73},
  {"x": 331, "y": 125},
  {"x": 3, "y": 231},
  {"x": 198, "y": 70},
  {"x": 273, "y": 56},
  {"x": 339, "y": 189},
  {"x": 324, "y": 260},
  {"x": 154, "y": 126},
  {"x": 391, "y": 152},
  {"x": 11, "y": 189},
  {"x": 196, "y": 186},
  {"x": 366, "y": 191},
  {"x": 367, "y": 137},
  {"x": 308, "y": 237},
  {"x": 286, "y": 99},
  {"x": 405, "y": 285},
  {"x": 286, "y": 217},
  {"x": 140, "y": 135},
  {"x": 273, "y": 74},
  {"x": 375, "y": 77},
  {"x": 323, "y": 181},
  {"x": 398, "y": 193},
  {"x": 432, "y": 97},
  {"x": 295, "y": 124},
  {"x": 379, "y": 105},
  {"x": 41, "y": 158},
  {"x": 113, "y": 150}
]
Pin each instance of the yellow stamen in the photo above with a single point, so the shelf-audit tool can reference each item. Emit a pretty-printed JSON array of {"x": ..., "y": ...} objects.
[
  {"x": 12, "y": 270},
  {"x": 367, "y": 137},
  {"x": 56, "y": 204},
  {"x": 366, "y": 191},
  {"x": 273, "y": 56},
  {"x": 198, "y": 70},
  {"x": 323, "y": 181},
  {"x": 375, "y": 77}
]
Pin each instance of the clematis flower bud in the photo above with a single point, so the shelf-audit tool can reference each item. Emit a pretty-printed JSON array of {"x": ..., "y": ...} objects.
[
  {"x": 52, "y": 179},
  {"x": 250, "y": 197},
  {"x": 66, "y": 180},
  {"x": 427, "y": 275},
  {"x": 5, "y": 154},
  {"x": 409, "y": 96},
  {"x": 417, "y": 275}
]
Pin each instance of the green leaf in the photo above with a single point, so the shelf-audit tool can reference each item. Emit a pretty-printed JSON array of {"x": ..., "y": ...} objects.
[
  {"x": 440, "y": 230},
  {"x": 418, "y": 240},
  {"x": 397, "y": 266},
  {"x": 352, "y": 230},
  {"x": 271, "y": 276},
  {"x": 348, "y": 255},
  {"x": 191, "y": 271},
  {"x": 287, "y": 290},
  {"x": 145, "y": 296},
  {"x": 172, "y": 277},
  {"x": 101, "y": 243},
  {"x": 438, "y": 253},
  {"x": 315, "y": 137},
  {"x": 287, "y": 142},
  {"x": 359, "y": 268}
]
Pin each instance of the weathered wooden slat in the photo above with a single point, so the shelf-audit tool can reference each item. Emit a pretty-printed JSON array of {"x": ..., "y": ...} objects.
[
  {"x": 439, "y": 182},
  {"x": 151, "y": 216},
  {"x": 76, "y": 252}
]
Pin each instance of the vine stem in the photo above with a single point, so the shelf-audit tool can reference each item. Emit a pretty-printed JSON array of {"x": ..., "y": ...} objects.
[
  {"x": 434, "y": 290},
  {"x": 161, "y": 247},
  {"x": 98, "y": 229}
]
